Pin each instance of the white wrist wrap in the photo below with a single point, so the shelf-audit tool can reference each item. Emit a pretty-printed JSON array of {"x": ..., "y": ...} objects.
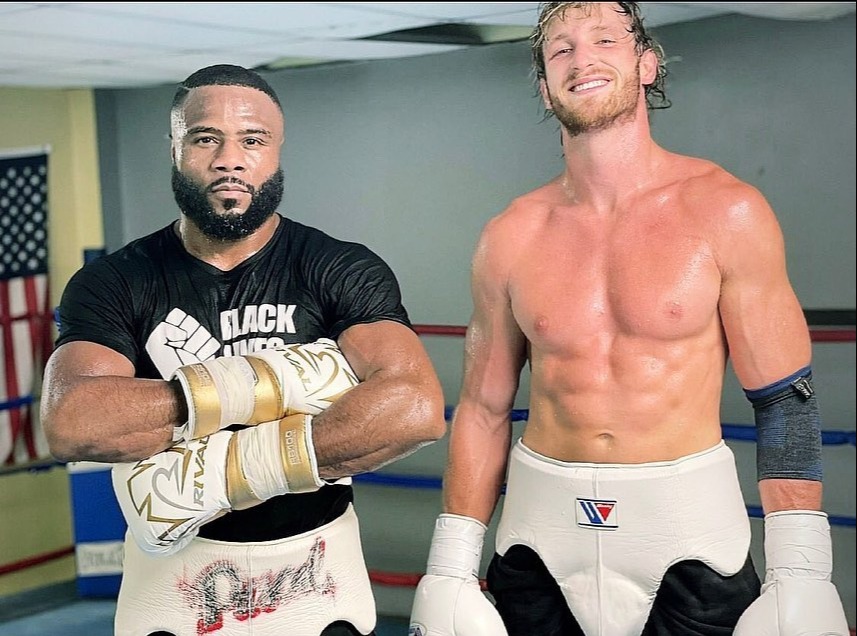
[
  {"x": 797, "y": 544},
  {"x": 219, "y": 392},
  {"x": 259, "y": 449},
  {"x": 456, "y": 547},
  {"x": 272, "y": 459}
]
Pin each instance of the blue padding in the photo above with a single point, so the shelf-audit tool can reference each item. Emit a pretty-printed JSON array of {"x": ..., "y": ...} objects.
[
  {"x": 406, "y": 481},
  {"x": 97, "y": 516},
  {"x": 99, "y": 586}
]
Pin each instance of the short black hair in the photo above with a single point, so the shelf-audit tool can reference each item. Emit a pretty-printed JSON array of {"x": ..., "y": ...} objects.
[{"x": 224, "y": 75}]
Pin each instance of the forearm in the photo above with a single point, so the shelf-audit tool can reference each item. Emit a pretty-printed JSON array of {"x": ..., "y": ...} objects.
[
  {"x": 476, "y": 470},
  {"x": 790, "y": 494},
  {"x": 112, "y": 418},
  {"x": 385, "y": 418}
]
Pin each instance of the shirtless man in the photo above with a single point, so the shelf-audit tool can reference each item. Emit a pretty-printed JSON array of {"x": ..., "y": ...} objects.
[{"x": 625, "y": 283}]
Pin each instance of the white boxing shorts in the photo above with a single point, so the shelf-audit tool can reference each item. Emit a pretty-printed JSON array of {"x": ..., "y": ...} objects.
[
  {"x": 289, "y": 587},
  {"x": 608, "y": 532}
]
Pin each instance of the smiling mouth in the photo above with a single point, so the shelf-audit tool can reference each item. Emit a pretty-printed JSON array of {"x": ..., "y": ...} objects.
[{"x": 588, "y": 85}]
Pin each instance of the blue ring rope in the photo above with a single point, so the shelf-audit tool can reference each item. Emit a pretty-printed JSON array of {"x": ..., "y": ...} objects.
[
  {"x": 16, "y": 403},
  {"x": 424, "y": 482},
  {"x": 742, "y": 432}
]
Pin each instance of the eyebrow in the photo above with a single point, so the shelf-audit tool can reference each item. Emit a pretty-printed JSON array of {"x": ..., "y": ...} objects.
[
  {"x": 211, "y": 129},
  {"x": 598, "y": 28}
]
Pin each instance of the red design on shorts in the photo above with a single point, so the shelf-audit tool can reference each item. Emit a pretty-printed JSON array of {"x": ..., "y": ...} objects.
[{"x": 221, "y": 588}]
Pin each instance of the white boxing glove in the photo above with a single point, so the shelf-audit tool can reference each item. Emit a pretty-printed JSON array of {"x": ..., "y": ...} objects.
[
  {"x": 262, "y": 386},
  {"x": 167, "y": 497},
  {"x": 448, "y": 600},
  {"x": 797, "y": 597}
]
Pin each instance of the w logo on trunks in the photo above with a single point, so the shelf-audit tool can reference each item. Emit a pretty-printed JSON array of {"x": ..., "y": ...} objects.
[{"x": 597, "y": 513}]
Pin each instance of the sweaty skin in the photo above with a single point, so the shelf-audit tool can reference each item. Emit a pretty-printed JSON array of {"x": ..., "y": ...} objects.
[{"x": 626, "y": 283}]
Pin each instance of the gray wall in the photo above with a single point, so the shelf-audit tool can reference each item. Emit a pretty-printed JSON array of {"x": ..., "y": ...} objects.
[{"x": 413, "y": 156}]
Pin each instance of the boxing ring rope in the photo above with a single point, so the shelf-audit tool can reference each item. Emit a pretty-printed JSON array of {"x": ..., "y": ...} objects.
[
  {"x": 730, "y": 432},
  {"x": 816, "y": 334},
  {"x": 738, "y": 432}
]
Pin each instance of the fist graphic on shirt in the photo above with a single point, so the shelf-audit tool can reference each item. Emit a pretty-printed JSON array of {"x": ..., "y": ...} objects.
[{"x": 180, "y": 340}]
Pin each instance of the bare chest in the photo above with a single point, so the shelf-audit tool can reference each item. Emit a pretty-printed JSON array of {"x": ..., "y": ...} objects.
[{"x": 584, "y": 284}]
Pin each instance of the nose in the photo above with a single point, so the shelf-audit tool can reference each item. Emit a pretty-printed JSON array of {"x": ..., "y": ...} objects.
[
  {"x": 583, "y": 57},
  {"x": 230, "y": 157}
]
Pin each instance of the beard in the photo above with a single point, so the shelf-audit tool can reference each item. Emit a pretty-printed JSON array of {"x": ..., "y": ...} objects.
[
  {"x": 617, "y": 108},
  {"x": 192, "y": 200}
]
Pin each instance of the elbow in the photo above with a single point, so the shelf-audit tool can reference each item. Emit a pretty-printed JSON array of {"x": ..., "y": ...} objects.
[
  {"x": 64, "y": 449},
  {"x": 62, "y": 454},
  {"x": 60, "y": 444},
  {"x": 438, "y": 423},
  {"x": 65, "y": 436},
  {"x": 430, "y": 413}
]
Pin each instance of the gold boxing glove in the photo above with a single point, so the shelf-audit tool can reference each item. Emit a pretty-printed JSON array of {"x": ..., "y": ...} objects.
[{"x": 263, "y": 386}]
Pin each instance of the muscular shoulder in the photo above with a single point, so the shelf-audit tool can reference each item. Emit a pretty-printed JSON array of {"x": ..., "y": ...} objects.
[
  {"x": 522, "y": 218},
  {"x": 718, "y": 196},
  {"x": 734, "y": 215},
  {"x": 511, "y": 234}
]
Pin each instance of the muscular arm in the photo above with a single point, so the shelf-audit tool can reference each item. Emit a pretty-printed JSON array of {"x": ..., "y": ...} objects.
[
  {"x": 763, "y": 322},
  {"x": 396, "y": 409},
  {"x": 93, "y": 409},
  {"x": 494, "y": 354}
]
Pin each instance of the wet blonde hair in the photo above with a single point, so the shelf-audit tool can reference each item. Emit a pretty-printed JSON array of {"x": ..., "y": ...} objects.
[{"x": 655, "y": 92}]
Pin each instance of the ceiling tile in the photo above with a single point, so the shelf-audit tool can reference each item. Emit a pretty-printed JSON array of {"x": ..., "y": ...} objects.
[{"x": 129, "y": 44}]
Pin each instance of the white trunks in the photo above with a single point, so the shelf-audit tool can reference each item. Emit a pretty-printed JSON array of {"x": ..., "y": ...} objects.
[
  {"x": 295, "y": 586},
  {"x": 608, "y": 532}
]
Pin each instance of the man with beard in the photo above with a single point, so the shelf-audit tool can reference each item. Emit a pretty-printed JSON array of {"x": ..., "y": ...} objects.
[
  {"x": 237, "y": 368},
  {"x": 625, "y": 283}
]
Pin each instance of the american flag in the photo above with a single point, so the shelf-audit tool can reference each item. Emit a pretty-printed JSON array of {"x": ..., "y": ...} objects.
[{"x": 26, "y": 329}]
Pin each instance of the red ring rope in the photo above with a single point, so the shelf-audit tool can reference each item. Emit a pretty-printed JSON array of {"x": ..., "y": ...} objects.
[{"x": 816, "y": 335}]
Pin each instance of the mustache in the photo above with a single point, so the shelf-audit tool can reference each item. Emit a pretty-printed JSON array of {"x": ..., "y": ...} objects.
[{"x": 236, "y": 180}]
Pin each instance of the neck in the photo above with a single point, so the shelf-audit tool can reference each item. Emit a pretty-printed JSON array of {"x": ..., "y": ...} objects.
[
  {"x": 224, "y": 255},
  {"x": 605, "y": 165}
]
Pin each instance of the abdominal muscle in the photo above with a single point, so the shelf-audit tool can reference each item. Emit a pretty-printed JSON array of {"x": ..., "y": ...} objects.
[{"x": 626, "y": 408}]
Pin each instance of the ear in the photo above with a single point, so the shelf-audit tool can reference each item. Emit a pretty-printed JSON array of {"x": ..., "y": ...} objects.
[
  {"x": 648, "y": 67},
  {"x": 543, "y": 90}
]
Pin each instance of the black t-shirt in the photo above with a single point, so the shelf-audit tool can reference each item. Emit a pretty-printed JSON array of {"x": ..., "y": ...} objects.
[{"x": 161, "y": 308}]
